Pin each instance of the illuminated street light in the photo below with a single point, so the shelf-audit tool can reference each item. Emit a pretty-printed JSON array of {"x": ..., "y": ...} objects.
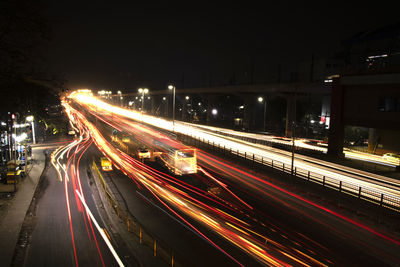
[
  {"x": 172, "y": 87},
  {"x": 187, "y": 97},
  {"x": 143, "y": 91},
  {"x": 214, "y": 111}
]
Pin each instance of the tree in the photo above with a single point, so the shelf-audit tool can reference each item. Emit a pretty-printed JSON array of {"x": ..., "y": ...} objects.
[{"x": 24, "y": 33}]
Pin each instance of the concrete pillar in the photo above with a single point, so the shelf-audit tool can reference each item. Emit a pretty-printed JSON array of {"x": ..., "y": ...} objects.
[
  {"x": 372, "y": 140},
  {"x": 336, "y": 128},
  {"x": 290, "y": 114}
]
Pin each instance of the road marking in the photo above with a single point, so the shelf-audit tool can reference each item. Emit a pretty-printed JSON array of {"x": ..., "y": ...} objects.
[{"x": 101, "y": 230}]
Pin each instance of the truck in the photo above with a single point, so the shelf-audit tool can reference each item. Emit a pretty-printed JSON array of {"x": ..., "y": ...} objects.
[{"x": 180, "y": 161}]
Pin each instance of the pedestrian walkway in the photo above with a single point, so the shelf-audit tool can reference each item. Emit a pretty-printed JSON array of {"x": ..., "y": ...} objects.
[{"x": 12, "y": 217}]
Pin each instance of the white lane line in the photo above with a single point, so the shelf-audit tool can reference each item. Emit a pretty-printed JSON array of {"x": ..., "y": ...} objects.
[{"x": 101, "y": 231}]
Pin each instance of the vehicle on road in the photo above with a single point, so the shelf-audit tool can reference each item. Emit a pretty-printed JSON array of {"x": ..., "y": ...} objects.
[
  {"x": 180, "y": 161},
  {"x": 106, "y": 164},
  {"x": 392, "y": 158},
  {"x": 144, "y": 153}
]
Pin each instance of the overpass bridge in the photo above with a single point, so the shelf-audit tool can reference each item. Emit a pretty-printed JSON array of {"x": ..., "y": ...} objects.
[{"x": 247, "y": 92}]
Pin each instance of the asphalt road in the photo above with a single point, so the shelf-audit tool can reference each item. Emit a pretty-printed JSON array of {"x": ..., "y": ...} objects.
[
  {"x": 289, "y": 221},
  {"x": 158, "y": 221},
  {"x": 51, "y": 243}
]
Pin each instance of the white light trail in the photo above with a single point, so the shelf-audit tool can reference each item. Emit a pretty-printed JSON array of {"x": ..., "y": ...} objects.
[{"x": 101, "y": 231}]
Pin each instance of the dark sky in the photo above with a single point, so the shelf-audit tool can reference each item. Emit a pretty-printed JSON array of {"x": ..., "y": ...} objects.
[{"x": 116, "y": 45}]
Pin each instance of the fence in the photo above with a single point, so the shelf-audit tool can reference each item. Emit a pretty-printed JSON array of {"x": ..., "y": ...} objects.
[
  {"x": 365, "y": 193},
  {"x": 159, "y": 248}
]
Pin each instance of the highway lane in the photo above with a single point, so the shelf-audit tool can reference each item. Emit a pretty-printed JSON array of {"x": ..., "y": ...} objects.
[
  {"x": 299, "y": 142},
  {"x": 309, "y": 217},
  {"x": 157, "y": 220},
  {"x": 322, "y": 223},
  {"x": 320, "y": 168},
  {"x": 64, "y": 235},
  {"x": 194, "y": 204}
]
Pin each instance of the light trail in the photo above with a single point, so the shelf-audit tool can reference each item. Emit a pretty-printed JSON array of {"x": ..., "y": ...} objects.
[
  {"x": 166, "y": 193},
  {"x": 101, "y": 230},
  {"x": 69, "y": 175},
  {"x": 170, "y": 197},
  {"x": 299, "y": 142},
  {"x": 243, "y": 147}
]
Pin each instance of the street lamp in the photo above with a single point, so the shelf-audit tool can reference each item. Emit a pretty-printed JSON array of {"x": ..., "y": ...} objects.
[
  {"x": 260, "y": 100},
  {"x": 172, "y": 87},
  {"x": 143, "y": 91}
]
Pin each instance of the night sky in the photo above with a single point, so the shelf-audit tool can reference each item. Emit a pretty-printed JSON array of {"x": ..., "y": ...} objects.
[{"x": 112, "y": 45}]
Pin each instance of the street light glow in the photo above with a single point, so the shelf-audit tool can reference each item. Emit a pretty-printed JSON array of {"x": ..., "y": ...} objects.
[
  {"x": 260, "y": 99},
  {"x": 170, "y": 87},
  {"x": 29, "y": 118},
  {"x": 214, "y": 111},
  {"x": 187, "y": 97}
]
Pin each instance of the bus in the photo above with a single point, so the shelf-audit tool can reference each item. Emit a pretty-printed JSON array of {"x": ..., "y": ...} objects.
[{"x": 180, "y": 161}]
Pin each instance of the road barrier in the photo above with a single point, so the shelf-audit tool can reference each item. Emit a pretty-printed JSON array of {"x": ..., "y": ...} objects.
[
  {"x": 384, "y": 200},
  {"x": 159, "y": 248}
]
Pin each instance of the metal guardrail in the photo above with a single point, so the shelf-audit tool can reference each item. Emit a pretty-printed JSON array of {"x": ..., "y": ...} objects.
[
  {"x": 364, "y": 193},
  {"x": 160, "y": 249}
]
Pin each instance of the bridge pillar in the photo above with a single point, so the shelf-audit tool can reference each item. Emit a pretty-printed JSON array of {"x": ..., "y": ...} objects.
[
  {"x": 336, "y": 127},
  {"x": 372, "y": 140}
]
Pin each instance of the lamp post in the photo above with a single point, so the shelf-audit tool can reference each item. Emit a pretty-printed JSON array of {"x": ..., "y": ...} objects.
[
  {"x": 261, "y": 100},
  {"x": 172, "y": 87},
  {"x": 143, "y": 91}
]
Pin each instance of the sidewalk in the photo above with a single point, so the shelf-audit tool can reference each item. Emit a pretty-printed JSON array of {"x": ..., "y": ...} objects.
[{"x": 13, "y": 214}]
